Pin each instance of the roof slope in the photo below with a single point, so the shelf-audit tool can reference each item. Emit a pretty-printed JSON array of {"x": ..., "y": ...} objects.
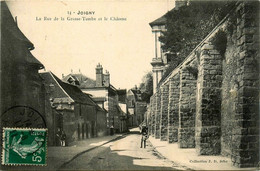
[
  {"x": 88, "y": 83},
  {"x": 11, "y": 32},
  {"x": 121, "y": 91},
  {"x": 7, "y": 22},
  {"x": 137, "y": 93},
  {"x": 73, "y": 91},
  {"x": 84, "y": 81},
  {"x": 159, "y": 21},
  {"x": 32, "y": 60}
]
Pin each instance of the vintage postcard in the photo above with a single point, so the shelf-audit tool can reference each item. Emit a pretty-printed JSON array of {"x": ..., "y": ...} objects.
[{"x": 129, "y": 85}]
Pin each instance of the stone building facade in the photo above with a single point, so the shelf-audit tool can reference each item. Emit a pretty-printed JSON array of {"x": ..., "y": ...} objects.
[
  {"x": 41, "y": 100},
  {"x": 136, "y": 107},
  {"x": 21, "y": 84},
  {"x": 103, "y": 93},
  {"x": 122, "y": 103},
  {"x": 211, "y": 100},
  {"x": 69, "y": 109},
  {"x": 161, "y": 60}
]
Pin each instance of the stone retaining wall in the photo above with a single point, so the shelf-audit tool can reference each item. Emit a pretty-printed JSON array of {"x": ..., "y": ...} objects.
[
  {"x": 173, "y": 108},
  {"x": 187, "y": 109},
  {"x": 245, "y": 135},
  {"x": 164, "y": 112},
  {"x": 208, "y": 114},
  {"x": 157, "y": 114},
  {"x": 211, "y": 101}
]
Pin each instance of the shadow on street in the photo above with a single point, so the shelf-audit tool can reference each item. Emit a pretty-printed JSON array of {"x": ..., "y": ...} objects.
[{"x": 107, "y": 159}]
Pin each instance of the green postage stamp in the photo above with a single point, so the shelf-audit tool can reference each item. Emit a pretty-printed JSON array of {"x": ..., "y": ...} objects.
[{"x": 24, "y": 146}]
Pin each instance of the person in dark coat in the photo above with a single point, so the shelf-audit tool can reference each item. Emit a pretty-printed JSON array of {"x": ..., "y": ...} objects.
[
  {"x": 145, "y": 136},
  {"x": 58, "y": 137},
  {"x": 63, "y": 139}
]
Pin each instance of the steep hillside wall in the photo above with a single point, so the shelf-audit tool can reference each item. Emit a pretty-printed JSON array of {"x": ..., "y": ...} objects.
[{"x": 212, "y": 98}]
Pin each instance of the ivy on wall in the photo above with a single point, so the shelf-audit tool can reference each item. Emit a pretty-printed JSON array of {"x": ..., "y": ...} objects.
[
  {"x": 220, "y": 42},
  {"x": 193, "y": 70},
  {"x": 188, "y": 26}
]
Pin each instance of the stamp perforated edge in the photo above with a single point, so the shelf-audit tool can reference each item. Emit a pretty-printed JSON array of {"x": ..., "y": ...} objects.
[{"x": 25, "y": 164}]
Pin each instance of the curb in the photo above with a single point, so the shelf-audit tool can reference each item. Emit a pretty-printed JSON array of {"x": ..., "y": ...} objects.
[{"x": 174, "y": 162}]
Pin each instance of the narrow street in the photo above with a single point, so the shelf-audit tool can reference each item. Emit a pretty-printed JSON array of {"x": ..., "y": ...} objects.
[{"x": 124, "y": 154}]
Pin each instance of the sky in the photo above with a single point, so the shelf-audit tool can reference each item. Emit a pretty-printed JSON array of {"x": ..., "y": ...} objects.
[{"x": 123, "y": 47}]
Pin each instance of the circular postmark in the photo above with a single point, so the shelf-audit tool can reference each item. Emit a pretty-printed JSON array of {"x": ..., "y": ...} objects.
[
  {"x": 22, "y": 117},
  {"x": 24, "y": 135}
]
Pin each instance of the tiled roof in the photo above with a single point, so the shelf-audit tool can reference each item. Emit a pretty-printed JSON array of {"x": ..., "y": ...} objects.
[
  {"x": 121, "y": 95},
  {"x": 32, "y": 60},
  {"x": 159, "y": 21},
  {"x": 137, "y": 93},
  {"x": 88, "y": 83},
  {"x": 84, "y": 81},
  {"x": 120, "y": 110},
  {"x": 10, "y": 28},
  {"x": 99, "y": 99},
  {"x": 101, "y": 109},
  {"x": 121, "y": 91},
  {"x": 73, "y": 91}
]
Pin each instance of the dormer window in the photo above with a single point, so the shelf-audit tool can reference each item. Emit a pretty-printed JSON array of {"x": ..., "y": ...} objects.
[
  {"x": 73, "y": 80},
  {"x": 70, "y": 80},
  {"x": 139, "y": 96},
  {"x": 51, "y": 87}
]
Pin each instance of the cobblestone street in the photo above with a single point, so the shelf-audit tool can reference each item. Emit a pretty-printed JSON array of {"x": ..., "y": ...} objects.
[{"x": 122, "y": 153}]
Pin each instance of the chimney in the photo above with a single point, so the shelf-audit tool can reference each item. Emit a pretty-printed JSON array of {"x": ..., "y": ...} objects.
[
  {"x": 99, "y": 75},
  {"x": 16, "y": 21},
  {"x": 62, "y": 75},
  {"x": 71, "y": 71},
  {"x": 180, "y": 3},
  {"x": 106, "y": 79}
]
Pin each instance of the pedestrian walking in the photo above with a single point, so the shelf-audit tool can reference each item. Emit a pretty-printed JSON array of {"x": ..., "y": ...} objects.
[
  {"x": 58, "y": 136},
  {"x": 145, "y": 136},
  {"x": 111, "y": 130},
  {"x": 63, "y": 139}
]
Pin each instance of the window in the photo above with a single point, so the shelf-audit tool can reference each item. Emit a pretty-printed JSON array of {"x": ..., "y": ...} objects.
[
  {"x": 78, "y": 131},
  {"x": 79, "y": 109},
  {"x": 83, "y": 128}
]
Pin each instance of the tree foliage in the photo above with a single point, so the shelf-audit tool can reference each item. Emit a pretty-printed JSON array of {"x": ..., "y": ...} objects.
[
  {"x": 188, "y": 26},
  {"x": 146, "y": 86}
]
